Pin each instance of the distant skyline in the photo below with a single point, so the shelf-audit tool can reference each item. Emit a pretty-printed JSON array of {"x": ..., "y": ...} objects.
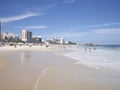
[{"x": 81, "y": 21}]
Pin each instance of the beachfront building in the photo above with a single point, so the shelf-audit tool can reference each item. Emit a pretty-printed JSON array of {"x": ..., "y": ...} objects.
[
  {"x": 55, "y": 40},
  {"x": 37, "y": 39},
  {"x": 9, "y": 37},
  {"x": 26, "y": 36},
  {"x": 62, "y": 40}
]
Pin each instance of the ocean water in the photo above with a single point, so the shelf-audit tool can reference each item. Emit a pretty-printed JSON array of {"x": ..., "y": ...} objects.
[{"x": 104, "y": 56}]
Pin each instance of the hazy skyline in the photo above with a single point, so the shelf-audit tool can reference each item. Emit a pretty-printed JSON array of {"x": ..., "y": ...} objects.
[{"x": 83, "y": 21}]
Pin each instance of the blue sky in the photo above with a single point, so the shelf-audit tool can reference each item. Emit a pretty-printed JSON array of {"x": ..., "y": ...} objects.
[{"x": 81, "y": 21}]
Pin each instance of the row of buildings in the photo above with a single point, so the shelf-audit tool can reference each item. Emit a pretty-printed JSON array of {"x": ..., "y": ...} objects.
[{"x": 27, "y": 37}]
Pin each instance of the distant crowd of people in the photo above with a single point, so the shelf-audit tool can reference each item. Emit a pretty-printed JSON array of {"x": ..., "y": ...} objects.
[{"x": 89, "y": 49}]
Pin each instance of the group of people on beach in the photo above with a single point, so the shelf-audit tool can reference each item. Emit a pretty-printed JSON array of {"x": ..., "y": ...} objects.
[{"x": 89, "y": 49}]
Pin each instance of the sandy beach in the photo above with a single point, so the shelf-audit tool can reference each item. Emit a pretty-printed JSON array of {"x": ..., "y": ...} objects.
[{"x": 39, "y": 68}]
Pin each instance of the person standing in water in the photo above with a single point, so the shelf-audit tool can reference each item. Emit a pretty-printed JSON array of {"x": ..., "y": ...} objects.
[{"x": 85, "y": 49}]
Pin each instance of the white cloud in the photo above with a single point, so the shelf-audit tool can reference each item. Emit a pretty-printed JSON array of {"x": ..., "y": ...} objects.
[
  {"x": 95, "y": 26},
  {"x": 113, "y": 31},
  {"x": 107, "y": 31},
  {"x": 96, "y": 32},
  {"x": 69, "y": 1},
  {"x": 36, "y": 27},
  {"x": 19, "y": 17}
]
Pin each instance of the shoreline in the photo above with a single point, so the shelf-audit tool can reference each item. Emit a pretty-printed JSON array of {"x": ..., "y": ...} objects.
[{"x": 31, "y": 48}]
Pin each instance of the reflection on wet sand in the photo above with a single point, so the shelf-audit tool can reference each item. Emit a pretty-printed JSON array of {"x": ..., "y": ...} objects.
[
  {"x": 25, "y": 56},
  {"x": 19, "y": 73}
]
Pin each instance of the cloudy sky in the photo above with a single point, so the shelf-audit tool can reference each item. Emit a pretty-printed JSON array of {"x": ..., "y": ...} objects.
[{"x": 82, "y": 21}]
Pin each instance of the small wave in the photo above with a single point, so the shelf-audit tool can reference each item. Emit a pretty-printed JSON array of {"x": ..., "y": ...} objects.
[{"x": 92, "y": 66}]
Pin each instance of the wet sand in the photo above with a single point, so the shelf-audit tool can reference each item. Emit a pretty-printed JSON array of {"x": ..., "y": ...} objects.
[{"x": 39, "y": 70}]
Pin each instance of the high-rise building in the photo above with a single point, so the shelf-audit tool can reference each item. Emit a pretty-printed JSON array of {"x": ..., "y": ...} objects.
[{"x": 26, "y": 36}]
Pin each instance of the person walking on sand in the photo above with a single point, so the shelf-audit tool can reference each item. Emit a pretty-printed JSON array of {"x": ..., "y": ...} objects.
[
  {"x": 14, "y": 45},
  {"x": 64, "y": 47}
]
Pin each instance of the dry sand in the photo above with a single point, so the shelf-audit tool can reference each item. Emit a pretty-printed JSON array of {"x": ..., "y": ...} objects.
[{"x": 37, "y": 68}]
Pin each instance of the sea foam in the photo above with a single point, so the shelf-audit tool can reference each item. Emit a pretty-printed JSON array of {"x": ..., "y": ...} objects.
[{"x": 96, "y": 57}]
